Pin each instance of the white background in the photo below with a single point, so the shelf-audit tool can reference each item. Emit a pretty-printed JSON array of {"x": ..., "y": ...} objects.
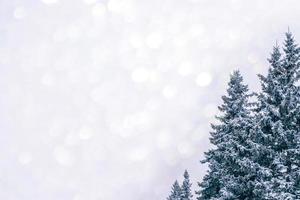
[{"x": 113, "y": 99}]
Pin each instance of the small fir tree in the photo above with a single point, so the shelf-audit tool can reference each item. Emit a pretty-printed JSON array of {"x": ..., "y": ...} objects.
[
  {"x": 176, "y": 192},
  {"x": 186, "y": 193}
]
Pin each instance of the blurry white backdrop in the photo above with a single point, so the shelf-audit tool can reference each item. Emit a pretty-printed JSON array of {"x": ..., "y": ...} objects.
[{"x": 113, "y": 99}]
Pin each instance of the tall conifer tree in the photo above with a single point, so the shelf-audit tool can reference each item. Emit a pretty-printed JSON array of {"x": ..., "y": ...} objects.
[
  {"x": 230, "y": 175},
  {"x": 276, "y": 133}
]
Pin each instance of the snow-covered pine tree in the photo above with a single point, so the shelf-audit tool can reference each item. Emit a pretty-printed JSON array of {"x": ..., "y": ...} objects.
[
  {"x": 186, "y": 193},
  {"x": 276, "y": 133},
  {"x": 229, "y": 175},
  {"x": 175, "y": 192}
]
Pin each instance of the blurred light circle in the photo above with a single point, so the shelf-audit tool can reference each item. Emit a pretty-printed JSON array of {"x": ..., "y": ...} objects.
[
  {"x": 203, "y": 79},
  {"x": 196, "y": 30},
  {"x": 163, "y": 140},
  {"x": 63, "y": 156},
  {"x": 154, "y": 40},
  {"x": 169, "y": 92},
  {"x": 98, "y": 10},
  {"x": 185, "y": 68},
  {"x": 71, "y": 140},
  {"x": 139, "y": 154},
  {"x": 19, "y": 13},
  {"x": 25, "y": 158},
  {"x": 116, "y": 6},
  {"x": 48, "y": 80},
  {"x": 85, "y": 133},
  {"x": 136, "y": 41},
  {"x": 140, "y": 75}
]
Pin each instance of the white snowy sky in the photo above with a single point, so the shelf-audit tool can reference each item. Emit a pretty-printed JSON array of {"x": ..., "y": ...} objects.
[{"x": 112, "y": 99}]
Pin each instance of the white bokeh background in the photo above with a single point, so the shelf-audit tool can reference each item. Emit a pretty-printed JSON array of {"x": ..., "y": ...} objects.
[{"x": 113, "y": 99}]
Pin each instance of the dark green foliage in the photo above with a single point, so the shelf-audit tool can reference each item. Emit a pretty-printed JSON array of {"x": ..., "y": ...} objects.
[
  {"x": 186, "y": 193},
  {"x": 230, "y": 172},
  {"x": 277, "y": 131},
  {"x": 258, "y": 157},
  {"x": 176, "y": 192},
  {"x": 256, "y": 154}
]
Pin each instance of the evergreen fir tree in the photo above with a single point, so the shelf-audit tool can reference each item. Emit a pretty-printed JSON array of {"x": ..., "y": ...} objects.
[
  {"x": 256, "y": 154},
  {"x": 176, "y": 192},
  {"x": 276, "y": 133},
  {"x": 230, "y": 167},
  {"x": 186, "y": 193}
]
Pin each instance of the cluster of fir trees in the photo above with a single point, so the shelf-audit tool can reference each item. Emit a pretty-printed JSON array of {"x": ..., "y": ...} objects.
[
  {"x": 182, "y": 192},
  {"x": 256, "y": 152}
]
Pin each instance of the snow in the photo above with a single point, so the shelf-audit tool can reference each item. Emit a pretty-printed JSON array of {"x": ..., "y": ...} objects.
[{"x": 95, "y": 90}]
